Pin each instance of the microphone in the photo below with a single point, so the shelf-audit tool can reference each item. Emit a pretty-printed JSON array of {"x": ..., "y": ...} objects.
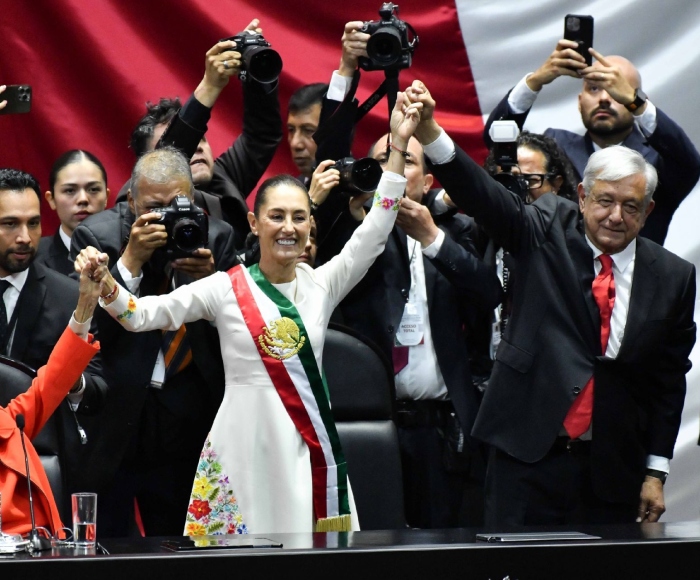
[{"x": 36, "y": 542}]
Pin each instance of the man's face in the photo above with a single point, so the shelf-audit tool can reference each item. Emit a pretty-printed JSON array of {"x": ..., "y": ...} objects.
[
  {"x": 20, "y": 230},
  {"x": 601, "y": 114},
  {"x": 301, "y": 127},
  {"x": 533, "y": 162},
  {"x": 202, "y": 162},
  {"x": 614, "y": 212},
  {"x": 418, "y": 183},
  {"x": 153, "y": 196}
]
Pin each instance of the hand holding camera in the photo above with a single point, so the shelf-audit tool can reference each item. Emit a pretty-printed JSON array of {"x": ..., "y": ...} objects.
[
  {"x": 255, "y": 57},
  {"x": 388, "y": 45},
  {"x": 324, "y": 178},
  {"x": 354, "y": 47},
  {"x": 223, "y": 61}
]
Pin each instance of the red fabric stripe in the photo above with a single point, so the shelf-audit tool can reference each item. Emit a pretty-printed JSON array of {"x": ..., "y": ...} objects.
[
  {"x": 285, "y": 387},
  {"x": 129, "y": 53}
]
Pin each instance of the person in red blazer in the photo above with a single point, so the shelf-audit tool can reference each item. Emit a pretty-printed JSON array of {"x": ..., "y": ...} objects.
[{"x": 68, "y": 360}]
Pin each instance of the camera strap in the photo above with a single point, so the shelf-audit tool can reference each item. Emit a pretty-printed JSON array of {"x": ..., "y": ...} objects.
[{"x": 389, "y": 87}]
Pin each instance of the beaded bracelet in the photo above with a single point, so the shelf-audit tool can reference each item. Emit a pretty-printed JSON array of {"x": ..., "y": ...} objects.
[
  {"x": 112, "y": 293},
  {"x": 395, "y": 148}
]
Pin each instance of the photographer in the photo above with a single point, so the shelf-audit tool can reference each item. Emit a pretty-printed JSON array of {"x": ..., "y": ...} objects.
[
  {"x": 224, "y": 183},
  {"x": 614, "y": 110},
  {"x": 165, "y": 388},
  {"x": 428, "y": 272}
]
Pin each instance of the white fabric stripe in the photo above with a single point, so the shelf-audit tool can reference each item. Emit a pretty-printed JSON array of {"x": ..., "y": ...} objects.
[{"x": 269, "y": 311}]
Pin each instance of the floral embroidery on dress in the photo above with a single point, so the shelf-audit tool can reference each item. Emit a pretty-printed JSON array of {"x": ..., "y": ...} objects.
[
  {"x": 213, "y": 508},
  {"x": 130, "y": 309},
  {"x": 386, "y": 202}
]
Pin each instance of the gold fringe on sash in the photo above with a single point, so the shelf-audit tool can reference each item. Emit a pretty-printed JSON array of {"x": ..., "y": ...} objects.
[{"x": 334, "y": 524}]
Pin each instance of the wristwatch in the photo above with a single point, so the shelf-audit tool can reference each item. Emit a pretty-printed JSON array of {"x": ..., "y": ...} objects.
[
  {"x": 640, "y": 98},
  {"x": 662, "y": 475}
]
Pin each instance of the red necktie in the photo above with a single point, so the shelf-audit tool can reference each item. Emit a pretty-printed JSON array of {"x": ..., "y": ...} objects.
[{"x": 578, "y": 419}]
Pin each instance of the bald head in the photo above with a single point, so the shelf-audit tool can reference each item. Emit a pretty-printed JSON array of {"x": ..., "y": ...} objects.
[{"x": 629, "y": 71}]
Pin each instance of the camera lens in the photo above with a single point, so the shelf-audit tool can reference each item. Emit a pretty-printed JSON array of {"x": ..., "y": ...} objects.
[
  {"x": 188, "y": 235},
  {"x": 384, "y": 46},
  {"x": 262, "y": 63},
  {"x": 366, "y": 174}
]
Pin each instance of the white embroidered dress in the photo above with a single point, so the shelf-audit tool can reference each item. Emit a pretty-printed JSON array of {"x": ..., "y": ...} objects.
[{"x": 254, "y": 474}]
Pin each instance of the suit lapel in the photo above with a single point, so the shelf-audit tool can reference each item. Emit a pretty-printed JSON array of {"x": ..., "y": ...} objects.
[
  {"x": 27, "y": 311},
  {"x": 644, "y": 286},
  {"x": 402, "y": 245},
  {"x": 582, "y": 256}
]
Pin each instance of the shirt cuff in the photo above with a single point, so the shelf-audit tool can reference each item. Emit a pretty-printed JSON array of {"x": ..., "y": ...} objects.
[
  {"x": 390, "y": 191},
  {"x": 338, "y": 87},
  {"x": 132, "y": 284},
  {"x": 439, "y": 206},
  {"x": 80, "y": 328},
  {"x": 440, "y": 151},
  {"x": 432, "y": 250},
  {"x": 659, "y": 463},
  {"x": 647, "y": 120},
  {"x": 522, "y": 97}
]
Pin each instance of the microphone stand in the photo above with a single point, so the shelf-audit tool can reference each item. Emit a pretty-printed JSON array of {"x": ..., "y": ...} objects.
[{"x": 36, "y": 542}]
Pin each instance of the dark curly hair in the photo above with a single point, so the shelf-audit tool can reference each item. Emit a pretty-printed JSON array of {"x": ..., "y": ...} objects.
[
  {"x": 556, "y": 161},
  {"x": 158, "y": 114}
]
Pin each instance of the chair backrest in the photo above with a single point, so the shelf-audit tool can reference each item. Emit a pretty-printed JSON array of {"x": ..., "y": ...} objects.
[
  {"x": 361, "y": 388},
  {"x": 15, "y": 379}
]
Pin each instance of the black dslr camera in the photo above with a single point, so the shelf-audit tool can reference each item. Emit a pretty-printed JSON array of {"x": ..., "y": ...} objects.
[
  {"x": 358, "y": 175},
  {"x": 504, "y": 135},
  {"x": 388, "y": 46},
  {"x": 257, "y": 58},
  {"x": 187, "y": 227}
]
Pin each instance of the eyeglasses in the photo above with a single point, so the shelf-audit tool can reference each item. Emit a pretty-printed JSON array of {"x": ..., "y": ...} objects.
[{"x": 535, "y": 180}]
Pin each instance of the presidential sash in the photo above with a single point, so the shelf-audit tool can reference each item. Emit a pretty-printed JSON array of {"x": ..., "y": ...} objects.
[{"x": 285, "y": 349}]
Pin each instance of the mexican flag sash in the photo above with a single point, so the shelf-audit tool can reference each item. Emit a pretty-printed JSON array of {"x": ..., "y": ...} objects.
[{"x": 285, "y": 349}]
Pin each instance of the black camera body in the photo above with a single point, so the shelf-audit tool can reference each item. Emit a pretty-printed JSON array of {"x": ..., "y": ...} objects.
[
  {"x": 358, "y": 175},
  {"x": 187, "y": 227},
  {"x": 257, "y": 58},
  {"x": 504, "y": 135},
  {"x": 388, "y": 47}
]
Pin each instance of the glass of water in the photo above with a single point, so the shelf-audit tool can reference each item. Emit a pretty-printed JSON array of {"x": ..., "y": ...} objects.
[{"x": 84, "y": 519}]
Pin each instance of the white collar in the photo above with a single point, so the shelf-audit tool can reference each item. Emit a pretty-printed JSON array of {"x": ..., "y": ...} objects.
[
  {"x": 621, "y": 259},
  {"x": 18, "y": 279}
]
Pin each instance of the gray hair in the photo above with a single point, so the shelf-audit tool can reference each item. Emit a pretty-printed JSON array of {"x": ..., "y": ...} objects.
[
  {"x": 619, "y": 162},
  {"x": 161, "y": 166}
]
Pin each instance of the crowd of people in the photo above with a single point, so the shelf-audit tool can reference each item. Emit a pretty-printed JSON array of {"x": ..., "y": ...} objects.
[{"x": 539, "y": 337}]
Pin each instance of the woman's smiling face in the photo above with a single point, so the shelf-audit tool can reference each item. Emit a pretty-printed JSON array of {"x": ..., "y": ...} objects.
[{"x": 283, "y": 224}]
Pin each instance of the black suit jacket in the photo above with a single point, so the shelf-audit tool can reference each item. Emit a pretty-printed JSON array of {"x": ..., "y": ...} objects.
[
  {"x": 668, "y": 149},
  {"x": 129, "y": 358},
  {"x": 43, "y": 310},
  {"x": 551, "y": 346},
  {"x": 238, "y": 169},
  {"x": 53, "y": 254},
  {"x": 455, "y": 278}
]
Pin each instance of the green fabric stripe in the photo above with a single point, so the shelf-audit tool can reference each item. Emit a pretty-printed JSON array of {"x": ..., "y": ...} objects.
[{"x": 317, "y": 380}]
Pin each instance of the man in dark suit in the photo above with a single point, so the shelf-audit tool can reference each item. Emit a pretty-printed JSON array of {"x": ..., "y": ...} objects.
[
  {"x": 303, "y": 116},
  {"x": 614, "y": 110},
  {"x": 585, "y": 399},
  {"x": 160, "y": 406},
  {"x": 224, "y": 183},
  {"x": 36, "y": 303},
  {"x": 412, "y": 305}
]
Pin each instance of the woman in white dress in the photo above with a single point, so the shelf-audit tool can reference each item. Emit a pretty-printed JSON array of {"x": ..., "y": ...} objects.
[{"x": 272, "y": 461}]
